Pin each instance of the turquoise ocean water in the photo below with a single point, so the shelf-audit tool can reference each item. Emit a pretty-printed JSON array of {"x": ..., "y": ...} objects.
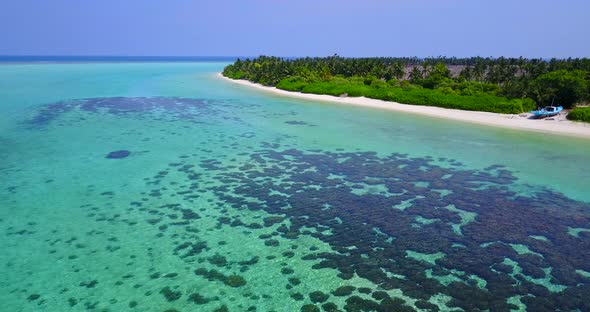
[{"x": 225, "y": 198}]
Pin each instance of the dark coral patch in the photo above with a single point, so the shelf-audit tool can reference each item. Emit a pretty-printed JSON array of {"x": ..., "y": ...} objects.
[
  {"x": 287, "y": 271},
  {"x": 318, "y": 297},
  {"x": 343, "y": 291},
  {"x": 197, "y": 298},
  {"x": 310, "y": 308},
  {"x": 218, "y": 260},
  {"x": 297, "y": 296},
  {"x": 234, "y": 281},
  {"x": 89, "y": 284},
  {"x": 222, "y": 308},
  {"x": 252, "y": 261},
  {"x": 294, "y": 281},
  {"x": 299, "y": 123},
  {"x": 118, "y": 154},
  {"x": 330, "y": 307},
  {"x": 170, "y": 294},
  {"x": 33, "y": 297}
]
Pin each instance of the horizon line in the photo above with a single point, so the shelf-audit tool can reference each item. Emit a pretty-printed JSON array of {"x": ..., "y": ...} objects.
[{"x": 40, "y": 56}]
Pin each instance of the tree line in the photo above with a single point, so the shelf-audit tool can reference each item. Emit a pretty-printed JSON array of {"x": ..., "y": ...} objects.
[{"x": 561, "y": 81}]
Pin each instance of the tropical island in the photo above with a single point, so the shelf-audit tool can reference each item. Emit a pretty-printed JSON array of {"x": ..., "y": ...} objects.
[{"x": 496, "y": 85}]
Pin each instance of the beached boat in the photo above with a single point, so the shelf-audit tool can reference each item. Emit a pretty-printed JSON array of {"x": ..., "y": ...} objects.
[{"x": 547, "y": 111}]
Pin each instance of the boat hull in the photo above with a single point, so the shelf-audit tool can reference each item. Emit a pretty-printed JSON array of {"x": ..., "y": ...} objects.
[{"x": 547, "y": 112}]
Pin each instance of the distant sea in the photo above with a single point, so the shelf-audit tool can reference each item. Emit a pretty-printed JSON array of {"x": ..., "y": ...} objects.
[{"x": 111, "y": 59}]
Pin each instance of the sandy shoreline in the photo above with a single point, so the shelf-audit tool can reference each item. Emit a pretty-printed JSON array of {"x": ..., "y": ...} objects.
[{"x": 557, "y": 125}]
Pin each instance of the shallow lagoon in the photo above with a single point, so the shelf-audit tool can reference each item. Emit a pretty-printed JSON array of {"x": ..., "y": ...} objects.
[{"x": 233, "y": 200}]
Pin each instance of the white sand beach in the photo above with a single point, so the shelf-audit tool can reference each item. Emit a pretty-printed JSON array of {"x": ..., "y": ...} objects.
[{"x": 556, "y": 125}]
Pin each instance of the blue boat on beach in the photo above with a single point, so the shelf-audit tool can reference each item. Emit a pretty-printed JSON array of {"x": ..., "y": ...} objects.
[{"x": 547, "y": 111}]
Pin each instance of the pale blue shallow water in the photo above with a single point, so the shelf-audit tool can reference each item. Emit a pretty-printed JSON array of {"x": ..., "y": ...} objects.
[{"x": 85, "y": 232}]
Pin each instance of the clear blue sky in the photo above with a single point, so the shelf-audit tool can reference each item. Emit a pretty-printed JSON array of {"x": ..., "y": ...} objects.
[{"x": 531, "y": 28}]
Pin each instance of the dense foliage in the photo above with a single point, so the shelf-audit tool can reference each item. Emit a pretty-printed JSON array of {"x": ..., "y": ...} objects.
[
  {"x": 506, "y": 85},
  {"x": 378, "y": 89},
  {"x": 580, "y": 114}
]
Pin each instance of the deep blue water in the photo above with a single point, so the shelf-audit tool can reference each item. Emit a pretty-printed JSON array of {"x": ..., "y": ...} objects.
[{"x": 111, "y": 58}]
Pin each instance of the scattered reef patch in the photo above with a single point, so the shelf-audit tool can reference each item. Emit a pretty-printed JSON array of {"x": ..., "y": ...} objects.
[
  {"x": 118, "y": 154},
  {"x": 376, "y": 240},
  {"x": 168, "y": 108}
]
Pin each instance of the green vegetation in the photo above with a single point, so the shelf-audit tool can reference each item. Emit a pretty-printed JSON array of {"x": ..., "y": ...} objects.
[
  {"x": 567, "y": 87},
  {"x": 410, "y": 94},
  {"x": 482, "y": 84},
  {"x": 580, "y": 114}
]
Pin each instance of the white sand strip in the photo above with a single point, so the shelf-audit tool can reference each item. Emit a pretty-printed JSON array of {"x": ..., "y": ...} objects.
[{"x": 556, "y": 125}]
